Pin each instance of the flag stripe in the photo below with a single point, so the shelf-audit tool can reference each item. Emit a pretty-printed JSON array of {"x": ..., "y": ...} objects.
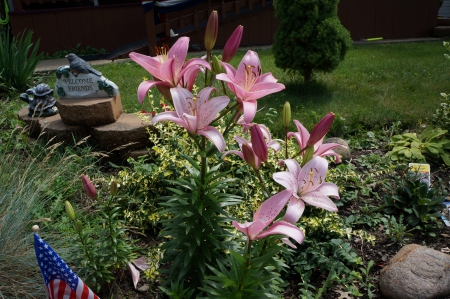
[{"x": 59, "y": 280}]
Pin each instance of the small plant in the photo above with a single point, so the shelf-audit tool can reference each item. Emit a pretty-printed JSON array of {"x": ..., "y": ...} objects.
[
  {"x": 367, "y": 279},
  {"x": 396, "y": 230},
  {"x": 431, "y": 145},
  {"x": 441, "y": 117},
  {"x": 105, "y": 249},
  {"x": 18, "y": 59},
  {"x": 414, "y": 199}
]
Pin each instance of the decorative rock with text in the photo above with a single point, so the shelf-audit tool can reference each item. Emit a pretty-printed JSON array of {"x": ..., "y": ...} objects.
[
  {"x": 86, "y": 97},
  {"x": 416, "y": 272}
]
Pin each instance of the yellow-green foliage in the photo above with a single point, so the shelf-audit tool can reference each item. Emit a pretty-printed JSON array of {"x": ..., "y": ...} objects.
[{"x": 154, "y": 256}]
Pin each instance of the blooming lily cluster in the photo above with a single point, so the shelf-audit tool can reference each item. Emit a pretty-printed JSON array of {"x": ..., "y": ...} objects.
[{"x": 304, "y": 183}]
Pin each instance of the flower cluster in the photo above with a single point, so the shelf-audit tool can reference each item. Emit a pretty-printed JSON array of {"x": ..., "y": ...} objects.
[{"x": 199, "y": 113}]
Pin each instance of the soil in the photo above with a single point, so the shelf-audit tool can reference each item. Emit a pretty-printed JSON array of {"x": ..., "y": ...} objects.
[{"x": 381, "y": 252}]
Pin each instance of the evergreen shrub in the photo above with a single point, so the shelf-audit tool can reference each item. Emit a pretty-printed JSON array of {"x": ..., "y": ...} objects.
[{"x": 310, "y": 36}]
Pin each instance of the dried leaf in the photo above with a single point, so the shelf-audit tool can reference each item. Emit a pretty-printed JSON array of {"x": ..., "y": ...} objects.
[{"x": 445, "y": 235}]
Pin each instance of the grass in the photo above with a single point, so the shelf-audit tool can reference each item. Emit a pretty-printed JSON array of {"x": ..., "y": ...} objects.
[
  {"x": 375, "y": 84},
  {"x": 34, "y": 183}
]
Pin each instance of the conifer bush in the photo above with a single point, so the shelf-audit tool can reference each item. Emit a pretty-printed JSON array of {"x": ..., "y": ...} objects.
[{"x": 310, "y": 36}]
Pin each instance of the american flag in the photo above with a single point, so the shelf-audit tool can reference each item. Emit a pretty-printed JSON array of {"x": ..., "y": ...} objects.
[{"x": 60, "y": 281}]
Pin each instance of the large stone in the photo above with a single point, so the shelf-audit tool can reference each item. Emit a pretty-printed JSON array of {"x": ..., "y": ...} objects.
[
  {"x": 90, "y": 112},
  {"x": 128, "y": 133},
  {"x": 53, "y": 128},
  {"x": 343, "y": 152},
  {"x": 416, "y": 272},
  {"x": 71, "y": 85}
]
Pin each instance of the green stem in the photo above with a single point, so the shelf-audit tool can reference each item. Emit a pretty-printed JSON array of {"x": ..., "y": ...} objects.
[
  {"x": 247, "y": 255},
  {"x": 258, "y": 174},
  {"x": 224, "y": 89},
  {"x": 208, "y": 59},
  {"x": 203, "y": 163},
  {"x": 285, "y": 144}
]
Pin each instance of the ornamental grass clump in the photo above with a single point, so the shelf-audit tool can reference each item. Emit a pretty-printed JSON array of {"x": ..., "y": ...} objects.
[
  {"x": 221, "y": 256},
  {"x": 32, "y": 180}
]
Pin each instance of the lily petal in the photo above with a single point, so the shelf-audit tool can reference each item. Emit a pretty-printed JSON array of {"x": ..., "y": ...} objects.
[
  {"x": 294, "y": 210},
  {"x": 145, "y": 86},
  {"x": 249, "y": 111},
  {"x": 283, "y": 228},
  {"x": 215, "y": 136},
  {"x": 319, "y": 200}
]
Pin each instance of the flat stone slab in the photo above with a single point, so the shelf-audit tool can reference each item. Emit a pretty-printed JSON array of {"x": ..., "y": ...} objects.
[
  {"x": 416, "y": 272},
  {"x": 128, "y": 133},
  {"x": 90, "y": 112},
  {"x": 54, "y": 127},
  {"x": 30, "y": 121}
]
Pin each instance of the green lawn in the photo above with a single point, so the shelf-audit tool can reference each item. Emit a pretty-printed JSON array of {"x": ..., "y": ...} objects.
[{"x": 375, "y": 84}]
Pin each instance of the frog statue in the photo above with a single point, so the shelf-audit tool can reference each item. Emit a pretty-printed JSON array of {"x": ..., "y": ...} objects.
[{"x": 43, "y": 102}]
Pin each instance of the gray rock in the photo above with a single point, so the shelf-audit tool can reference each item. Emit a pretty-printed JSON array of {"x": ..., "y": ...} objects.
[
  {"x": 343, "y": 152},
  {"x": 416, "y": 272}
]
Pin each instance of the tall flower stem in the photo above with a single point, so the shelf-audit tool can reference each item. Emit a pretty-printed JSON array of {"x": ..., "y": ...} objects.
[
  {"x": 203, "y": 161},
  {"x": 247, "y": 255},
  {"x": 258, "y": 174}
]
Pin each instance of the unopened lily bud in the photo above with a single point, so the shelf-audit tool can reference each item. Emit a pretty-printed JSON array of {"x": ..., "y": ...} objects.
[
  {"x": 113, "y": 188},
  {"x": 259, "y": 143},
  {"x": 286, "y": 114},
  {"x": 232, "y": 44},
  {"x": 249, "y": 156},
  {"x": 321, "y": 129},
  {"x": 69, "y": 210},
  {"x": 216, "y": 66},
  {"x": 78, "y": 226},
  {"x": 89, "y": 187},
  {"x": 212, "y": 27}
]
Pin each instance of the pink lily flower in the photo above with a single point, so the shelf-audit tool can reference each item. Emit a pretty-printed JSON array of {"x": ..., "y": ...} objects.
[
  {"x": 320, "y": 149},
  {"x": 265, "y": 215},
  {"x": 169, "y": 68},
  {"x": 307, "y": 185},
  {"x": 248, "y": 149},
  {"x": 249, "y": 84},
  {"x": 196, "y": 113}
]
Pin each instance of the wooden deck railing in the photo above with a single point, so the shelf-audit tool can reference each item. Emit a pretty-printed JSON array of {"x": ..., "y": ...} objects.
[{"x": 196, "y": 17}]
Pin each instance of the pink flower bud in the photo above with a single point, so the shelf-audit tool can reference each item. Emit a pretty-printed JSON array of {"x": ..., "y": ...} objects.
[
  {"x": 89, "y": 187},
  {"x": 212, "y": 27},
  {"x": 259, "y": 143},
  {"x": 250, "y": 157},
  {"x": 232, "y": 44},
  {"x": 321, "y": 129}
]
